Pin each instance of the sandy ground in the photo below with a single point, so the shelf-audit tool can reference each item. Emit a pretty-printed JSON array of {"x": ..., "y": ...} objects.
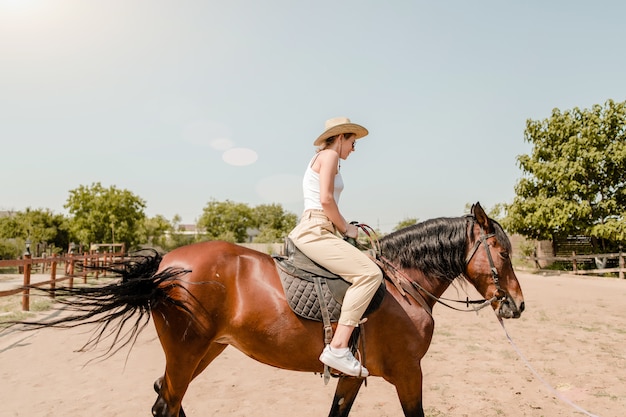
[{"x": 573, "y": 334}]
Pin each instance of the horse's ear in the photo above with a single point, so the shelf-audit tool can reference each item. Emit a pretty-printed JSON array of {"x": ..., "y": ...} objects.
[{"x": 481, "y": 217}]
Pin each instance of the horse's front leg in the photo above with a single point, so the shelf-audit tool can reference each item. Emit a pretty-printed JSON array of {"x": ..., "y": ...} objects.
[
  {"x": 345, "y": 394},
  {"x": 409, "y": 389}
]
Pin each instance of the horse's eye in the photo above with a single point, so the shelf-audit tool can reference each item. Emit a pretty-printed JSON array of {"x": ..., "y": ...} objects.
[{"x": 504, "y": 255}]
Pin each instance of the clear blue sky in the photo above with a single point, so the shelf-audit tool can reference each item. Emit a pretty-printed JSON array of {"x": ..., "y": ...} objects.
[{"x": 183, "y": 102}]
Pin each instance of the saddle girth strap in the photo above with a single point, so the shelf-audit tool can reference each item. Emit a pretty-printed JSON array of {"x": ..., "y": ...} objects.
[{"x": 328, "y": 328}]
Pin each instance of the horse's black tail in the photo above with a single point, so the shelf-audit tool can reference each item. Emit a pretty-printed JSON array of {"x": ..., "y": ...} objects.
[{"x": 120, "y": 310}]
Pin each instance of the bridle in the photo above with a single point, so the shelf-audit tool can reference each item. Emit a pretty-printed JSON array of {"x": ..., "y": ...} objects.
[
  {"x": 399, "y": 278},
  {"x": 500, "y": 294}
]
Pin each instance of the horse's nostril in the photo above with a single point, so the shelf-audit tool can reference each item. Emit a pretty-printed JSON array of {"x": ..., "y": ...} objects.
[{"x": 522, "y": 306}]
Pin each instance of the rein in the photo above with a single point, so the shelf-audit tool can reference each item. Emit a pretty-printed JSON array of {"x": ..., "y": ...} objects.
[
  {"x": 550, "y": 387},
  {"x": 401, "y": 280}
]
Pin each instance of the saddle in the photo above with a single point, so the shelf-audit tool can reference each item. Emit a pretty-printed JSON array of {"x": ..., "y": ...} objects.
[{"x": 312, "y": 291}]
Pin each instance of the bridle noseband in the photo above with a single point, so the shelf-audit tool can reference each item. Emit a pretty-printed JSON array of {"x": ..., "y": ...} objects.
[{"x": 482, "y": 240}]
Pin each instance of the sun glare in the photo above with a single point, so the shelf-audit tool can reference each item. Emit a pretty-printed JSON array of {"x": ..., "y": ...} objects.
[
  {"x": 240, "y": 156},
  {"x": 19, "y": 5}
]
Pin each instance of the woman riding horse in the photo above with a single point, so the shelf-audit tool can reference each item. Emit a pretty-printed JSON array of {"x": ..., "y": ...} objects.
[{"x": 316, "y": 236}]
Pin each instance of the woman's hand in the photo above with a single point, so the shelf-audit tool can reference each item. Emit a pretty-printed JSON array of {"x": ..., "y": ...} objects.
[{"x": 351, "y": 231}]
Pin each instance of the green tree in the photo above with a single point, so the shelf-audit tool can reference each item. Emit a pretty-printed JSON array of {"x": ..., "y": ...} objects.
[
  {"x": 11, "y": 246},
  {"x": 226, "y": 220},
  {"x": 40, "y": 226},
  {"x": 105, "y": 215},
  {"x": 574, "y": 180},
  {"x": 273, "y": 222},
  {"x": 232, "y": 222},
  {"x": 408, "y": 221},
  {"x": 10, "y": 249},
  {"x": 498, "y": 212},
  {"x": 177, "y": 237},
  {"x": 155, "y": 231}
]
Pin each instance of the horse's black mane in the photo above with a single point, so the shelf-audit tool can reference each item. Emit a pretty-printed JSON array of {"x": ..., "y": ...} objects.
[{"x": 436, "y": 247}]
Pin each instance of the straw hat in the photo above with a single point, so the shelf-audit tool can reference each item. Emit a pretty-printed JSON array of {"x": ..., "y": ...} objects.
[{"x": 340, "y": 125}]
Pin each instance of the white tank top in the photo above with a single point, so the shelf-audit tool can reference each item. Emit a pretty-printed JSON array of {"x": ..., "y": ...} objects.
[{"x": 311, "y": 188}]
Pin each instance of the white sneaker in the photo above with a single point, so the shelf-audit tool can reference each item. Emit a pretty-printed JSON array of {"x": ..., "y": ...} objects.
[{"x": 345, "y": 363}]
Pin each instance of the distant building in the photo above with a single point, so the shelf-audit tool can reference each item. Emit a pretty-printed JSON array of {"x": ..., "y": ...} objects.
[
  {"x": 187, "y": 229},
  {"x": 6, "y": 213}
]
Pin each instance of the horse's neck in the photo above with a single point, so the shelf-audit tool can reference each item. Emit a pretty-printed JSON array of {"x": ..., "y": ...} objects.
[{"x": 434, "y": 286}]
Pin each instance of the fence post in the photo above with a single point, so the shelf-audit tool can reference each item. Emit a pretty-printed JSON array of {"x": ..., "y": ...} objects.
[
  {"x": 86, "y": 263},
  {"x": 621, "y": 264},
  {"x": 574, "y": 265},
  {"x": 53, "y": 274},
  {"x": 536, "y": 259},
  {"x": 96, "y": 263},
  {"x": 26, "y": 292},
  {"x": 104, "y": 264},
  {"x": 70, "y": 271}
]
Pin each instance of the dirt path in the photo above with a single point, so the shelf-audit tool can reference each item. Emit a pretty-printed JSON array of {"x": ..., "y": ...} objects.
[{"x": 573, "y": 333}]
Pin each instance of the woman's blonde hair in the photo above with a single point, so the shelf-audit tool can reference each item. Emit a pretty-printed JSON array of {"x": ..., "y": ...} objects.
[{"x": 329, "y": 141}]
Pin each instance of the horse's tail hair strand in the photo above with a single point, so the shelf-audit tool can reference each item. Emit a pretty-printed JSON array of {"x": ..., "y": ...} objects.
[{"x": 112, "y": 307}]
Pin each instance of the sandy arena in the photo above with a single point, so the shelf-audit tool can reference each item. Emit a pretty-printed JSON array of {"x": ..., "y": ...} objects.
[{"x": 573, "y": 333}]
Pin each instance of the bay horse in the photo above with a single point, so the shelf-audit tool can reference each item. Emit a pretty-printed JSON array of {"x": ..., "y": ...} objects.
[{"x": 205, "y": 296}]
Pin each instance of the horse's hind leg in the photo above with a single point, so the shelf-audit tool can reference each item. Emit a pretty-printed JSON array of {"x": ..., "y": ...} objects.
[
  {"x": 186, "y": 342},
  {"x": 214, "y": 351},
  {"x": 345, "y": 394},
  {"x": 160, "y": 407},
  {"x": 172, "y": 393}
]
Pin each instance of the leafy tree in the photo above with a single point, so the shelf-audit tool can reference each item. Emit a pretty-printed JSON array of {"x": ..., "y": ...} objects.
[
  {"x": 498, "y": 212},
  {"x": 226, "y": 220},
  {"x": 177, "y": 238},
  {"x": 233, "y": 221},
  {"x": 103, "y": 215},
  {"x": 575, "y": 178},
  {"x": 9, "y": 228},
  {"x": 409, "y": 221},
  {"x": 273, "y": 222},
  {"x": 39, "y": 226},
  {"x": 155, "y": 231},
  {"x": 10, "y": 249}
]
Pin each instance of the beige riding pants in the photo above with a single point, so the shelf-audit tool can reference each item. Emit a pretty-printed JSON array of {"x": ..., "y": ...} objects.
[{"x": 316, "y": 237}]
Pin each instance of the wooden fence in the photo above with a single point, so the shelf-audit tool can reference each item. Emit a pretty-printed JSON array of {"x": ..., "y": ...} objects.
[
  {"x": 579, "y": 260},
  {"x": 74, "y": 266}
]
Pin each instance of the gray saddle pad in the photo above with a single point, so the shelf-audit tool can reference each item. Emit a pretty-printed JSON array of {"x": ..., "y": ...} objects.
[
  {"x": 298, "y": 274},
  {"x": 302, "y": 296}
]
